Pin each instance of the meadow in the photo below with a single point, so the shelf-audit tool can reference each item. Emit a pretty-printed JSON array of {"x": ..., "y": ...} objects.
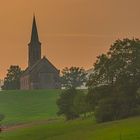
[
  {"x": 127, "y": 129},
  {"x": 21, "y": 107},
  {"x": 27, "y": 106}
]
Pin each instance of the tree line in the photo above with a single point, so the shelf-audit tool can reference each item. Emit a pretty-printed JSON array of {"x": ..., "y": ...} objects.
[{"x": 113, "y": 87}]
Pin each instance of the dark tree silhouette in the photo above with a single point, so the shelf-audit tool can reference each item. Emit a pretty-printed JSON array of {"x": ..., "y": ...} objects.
[
  {"x": 73, "y": 77},
  {"x": 12, "y": 79},
  {"x": 114, "y": 84}
]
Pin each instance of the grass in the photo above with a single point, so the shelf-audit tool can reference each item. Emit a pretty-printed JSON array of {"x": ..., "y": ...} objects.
[
  {"x": 127, "y": 129},
  {"x": 25, "y": 106}
]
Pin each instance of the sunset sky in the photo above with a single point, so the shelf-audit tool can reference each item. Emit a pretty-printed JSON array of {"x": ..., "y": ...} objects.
[{"x": 72, "y": 32}]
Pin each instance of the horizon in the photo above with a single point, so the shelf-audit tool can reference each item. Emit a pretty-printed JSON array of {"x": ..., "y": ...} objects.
[{"x": 72, "y": 33}]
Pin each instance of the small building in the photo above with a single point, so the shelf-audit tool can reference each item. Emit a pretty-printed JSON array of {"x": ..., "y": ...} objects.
[{"x": 40, "y": 73}]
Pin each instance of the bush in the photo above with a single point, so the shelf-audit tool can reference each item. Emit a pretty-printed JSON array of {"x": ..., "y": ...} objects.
[
  {"x": 115, "y": 108},
  {"x": 105, "y": 111}
]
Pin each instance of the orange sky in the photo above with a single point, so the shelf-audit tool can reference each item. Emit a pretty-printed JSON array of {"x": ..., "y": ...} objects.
[{"x": 72, "y": 32}]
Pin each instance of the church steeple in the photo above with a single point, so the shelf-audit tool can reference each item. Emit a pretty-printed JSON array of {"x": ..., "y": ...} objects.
[
  {"x": 34, "y": 34},
  {"x": 34, "y": 45}
]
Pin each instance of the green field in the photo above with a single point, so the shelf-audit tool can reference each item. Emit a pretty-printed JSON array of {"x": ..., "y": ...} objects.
[
  {"x": 128, "y": 129},
  {"x": 25, "y": 106},
  {"x": 40, "y": 105}
]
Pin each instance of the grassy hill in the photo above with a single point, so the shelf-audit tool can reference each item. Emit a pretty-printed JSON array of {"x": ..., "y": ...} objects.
[
  {"x": 127, "y": 129},
  {"x": 27, "y": 106},
  {"x": 24, "y": 106}
]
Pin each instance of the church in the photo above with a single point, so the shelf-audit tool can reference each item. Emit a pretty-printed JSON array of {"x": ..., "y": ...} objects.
[{"x": 40, "y": 73}]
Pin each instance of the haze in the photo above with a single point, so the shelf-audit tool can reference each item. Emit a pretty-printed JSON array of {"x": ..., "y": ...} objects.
[{"x": 72, "y": 32}]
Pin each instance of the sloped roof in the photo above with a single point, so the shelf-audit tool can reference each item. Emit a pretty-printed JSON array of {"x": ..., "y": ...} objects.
[{"x": 49, "y": 66}]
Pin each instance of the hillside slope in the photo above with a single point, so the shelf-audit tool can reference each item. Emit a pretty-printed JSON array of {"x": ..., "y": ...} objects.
[
  {"x": 25, "y": 106},
  {"x": 127, "y": 129}
]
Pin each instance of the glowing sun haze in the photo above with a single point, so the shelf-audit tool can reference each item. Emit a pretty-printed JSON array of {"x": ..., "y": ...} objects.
[{"x": 72, "y": 32}]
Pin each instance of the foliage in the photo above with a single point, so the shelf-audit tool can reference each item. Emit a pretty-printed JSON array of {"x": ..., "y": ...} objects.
[
  {"x": 73, "y": 77},
  {"x": 65, "y": 104},
  {"x": 105, "y": 110},
  {"x": 12, "y": 79},
  {"x": 80, "y": 103},
  {"x": 96, "y": 94},
  {"x": 122, "y": 59},
  {"x": 116, "y": 79}
]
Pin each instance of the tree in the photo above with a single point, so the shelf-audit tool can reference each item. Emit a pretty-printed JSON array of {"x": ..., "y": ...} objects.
[
  {"x": 80, "y": 103},
  {"x": 122, "y": 59},
  {"x": 71, "y": 103},
  {"x": 65, "y": 104},
  {"x": 96, "y": 94},
  {"x": 12, "y": 79},
  {"x": 105, "y": 110},
  {"x": 116, "y": 79},
  {"x": 73, "y": 77}
]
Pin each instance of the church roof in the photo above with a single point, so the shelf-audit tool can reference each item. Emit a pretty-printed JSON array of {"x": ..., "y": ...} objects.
[{"x": 44, "y": 62}]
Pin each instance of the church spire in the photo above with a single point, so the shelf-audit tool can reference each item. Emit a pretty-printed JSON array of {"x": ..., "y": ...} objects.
[
  {"x": 34, "y": 45},
  {"x": 34, "y": 34}
]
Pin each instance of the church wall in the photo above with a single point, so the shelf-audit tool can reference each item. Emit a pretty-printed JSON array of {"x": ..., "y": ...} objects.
[
  {"x": 25, "y": 82},
  {"x": 47, "y": 81},
  {"x": 39, "y": 80}
]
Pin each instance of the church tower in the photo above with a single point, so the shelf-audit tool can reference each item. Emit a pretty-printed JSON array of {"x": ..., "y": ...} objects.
[{"x": 34, "y": 50}]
